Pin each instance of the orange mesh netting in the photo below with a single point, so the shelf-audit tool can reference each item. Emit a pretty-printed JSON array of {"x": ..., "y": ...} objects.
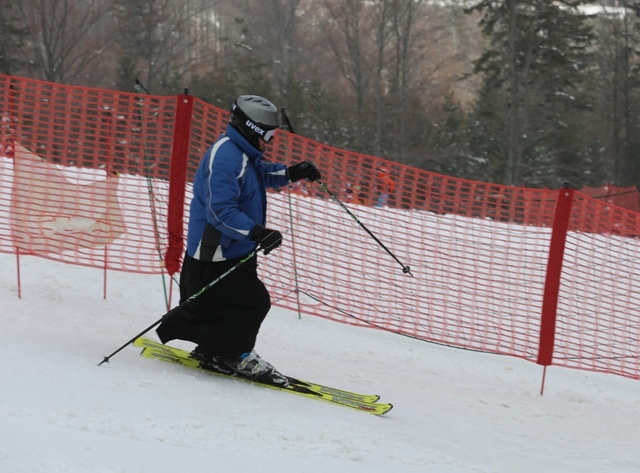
[
  {"x": 625, "y": 197},
  {"x": 102, "y": 178},
  {"x": 52, "y": 214}
]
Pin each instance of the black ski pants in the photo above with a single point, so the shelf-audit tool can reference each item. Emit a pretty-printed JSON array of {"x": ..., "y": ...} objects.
[{"x": 225, "y": 319}]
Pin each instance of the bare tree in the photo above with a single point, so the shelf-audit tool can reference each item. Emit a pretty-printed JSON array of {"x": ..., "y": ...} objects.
[
  {"x": 383, "y": 12},
  {"x": 163, "y": 41},
  {"x": 12, "y": 34},
  {"x": 274, "y": 25},
  {"x": 67, "y": 39},
  {"x": 349, "y": 34},
  {"x": 407, "y": 50},
  {"x": 398, "y": 57}
]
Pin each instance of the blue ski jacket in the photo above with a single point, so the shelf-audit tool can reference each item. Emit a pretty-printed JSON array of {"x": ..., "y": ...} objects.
[{"x": 229, "y": 198}]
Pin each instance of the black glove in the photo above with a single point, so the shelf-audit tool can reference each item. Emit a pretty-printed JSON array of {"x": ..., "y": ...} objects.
[
  {"x": 303, "y": 170},
  {"x": 269, "y": 239}
]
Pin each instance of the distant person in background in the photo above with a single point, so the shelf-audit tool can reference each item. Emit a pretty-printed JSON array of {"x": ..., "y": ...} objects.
[
  {"x": 385, "y": 186},
  {"x": 227, "y": 222},
  {"x": 353, "y": 193}
]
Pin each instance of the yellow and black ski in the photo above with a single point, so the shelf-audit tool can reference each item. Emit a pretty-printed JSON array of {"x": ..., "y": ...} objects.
[{"x": 361, "y": 402}]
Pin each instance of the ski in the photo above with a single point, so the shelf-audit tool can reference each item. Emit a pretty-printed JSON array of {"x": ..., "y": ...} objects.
[
  {"x": 368, "y": 398},
  {"x": 348, "y": 399}
]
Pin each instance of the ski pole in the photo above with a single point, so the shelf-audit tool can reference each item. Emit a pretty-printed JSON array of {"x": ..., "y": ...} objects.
[
  {"x": 183, "y": 304},
  {"x": 405, "y": 269},
  {"x": 139, "y": 88}
]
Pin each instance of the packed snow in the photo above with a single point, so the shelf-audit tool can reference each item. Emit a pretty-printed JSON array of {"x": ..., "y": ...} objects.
[{"x": 454, "y": 410}]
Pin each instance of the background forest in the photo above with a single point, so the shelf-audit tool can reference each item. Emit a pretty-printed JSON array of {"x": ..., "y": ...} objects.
[{"x": 517, "y": 92}]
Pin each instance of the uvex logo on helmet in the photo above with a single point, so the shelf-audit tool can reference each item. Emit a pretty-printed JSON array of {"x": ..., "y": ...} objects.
[{"x": 255, "y": 127}]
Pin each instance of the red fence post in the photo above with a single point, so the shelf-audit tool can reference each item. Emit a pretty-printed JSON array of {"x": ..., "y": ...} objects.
[
  {"x": 177, "y": 182},
  {"x": 554, "y": 273}
]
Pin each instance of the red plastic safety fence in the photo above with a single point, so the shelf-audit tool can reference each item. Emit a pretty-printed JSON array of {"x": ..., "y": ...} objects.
[
  {"x": 102, "y": 178},
  {"x": 83, "y": 141},
  {"x": 598, "y": 326},
  {"x": 625, "y": 197}
]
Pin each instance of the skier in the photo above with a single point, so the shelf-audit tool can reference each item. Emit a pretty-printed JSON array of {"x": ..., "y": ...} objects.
[
  {"x": 385, "y": 186},
  {"x": 227, "y": 222}
]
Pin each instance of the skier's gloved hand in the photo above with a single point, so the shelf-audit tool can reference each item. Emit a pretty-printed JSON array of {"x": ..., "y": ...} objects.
[
  {"x": 269, "y": 239},
  {"x": 303, "y": 170}
]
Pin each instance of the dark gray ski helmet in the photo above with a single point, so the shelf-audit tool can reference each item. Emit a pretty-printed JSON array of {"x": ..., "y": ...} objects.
[{"x": 254, "y": 117}]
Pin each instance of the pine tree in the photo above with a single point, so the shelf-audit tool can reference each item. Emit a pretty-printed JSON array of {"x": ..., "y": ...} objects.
[
  {"x": 619, "y": 87},
  {"x": 536, "y": 72}
]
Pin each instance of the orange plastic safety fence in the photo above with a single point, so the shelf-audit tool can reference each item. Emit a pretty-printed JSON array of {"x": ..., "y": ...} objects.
[
  {"x": 85, "y": 139},
  {"x": 625, "y": 197},
  {"x": 86, "y": 175}
]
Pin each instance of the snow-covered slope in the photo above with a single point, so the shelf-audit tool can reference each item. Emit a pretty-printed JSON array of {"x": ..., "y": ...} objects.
[{"x": 455, "y": 411}]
